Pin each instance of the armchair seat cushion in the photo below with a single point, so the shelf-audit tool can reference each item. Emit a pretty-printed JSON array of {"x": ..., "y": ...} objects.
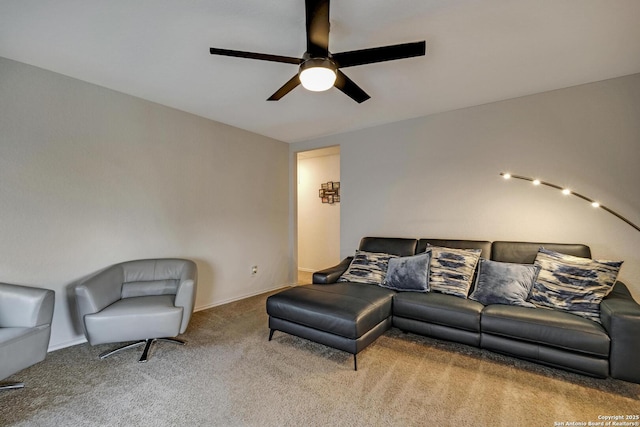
[
  {"x": 135, "y": 318},
  {"x": 550, "y": 328}
]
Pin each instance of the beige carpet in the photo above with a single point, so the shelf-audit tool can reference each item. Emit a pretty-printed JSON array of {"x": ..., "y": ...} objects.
[{"x": 230, "y": 375}]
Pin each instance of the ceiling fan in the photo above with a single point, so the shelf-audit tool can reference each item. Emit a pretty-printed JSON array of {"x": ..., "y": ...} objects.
[{"x": 319, "y": 69}]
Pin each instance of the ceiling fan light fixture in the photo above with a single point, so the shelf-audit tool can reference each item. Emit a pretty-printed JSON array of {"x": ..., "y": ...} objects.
[
  {"x": 318, "y": 68},
  {"x": 318, "y": 74}
]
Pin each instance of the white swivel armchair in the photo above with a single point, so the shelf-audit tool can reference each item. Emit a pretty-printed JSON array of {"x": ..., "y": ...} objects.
[{"x": 142, "y": 301}]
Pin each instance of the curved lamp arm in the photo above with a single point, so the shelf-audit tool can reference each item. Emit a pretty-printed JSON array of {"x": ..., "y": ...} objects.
[{"x": 566, "y": 191}]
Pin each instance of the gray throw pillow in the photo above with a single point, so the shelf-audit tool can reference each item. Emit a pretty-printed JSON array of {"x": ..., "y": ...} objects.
[
  {"x": 367, "y": 267},
  {"x": 573, "y": 284},
  {"x": 504, "y": 283},
  {"x": 409, "y": 273}
]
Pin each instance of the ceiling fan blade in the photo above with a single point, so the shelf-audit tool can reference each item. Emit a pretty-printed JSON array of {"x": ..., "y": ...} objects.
[
  {"x": 285, "y": 89},
  {"x": 379, "y": 54},
  {"x": 349, "y": 88},
  {"x": 252, "y": 55},
  {"x": 317, "y": 28}
]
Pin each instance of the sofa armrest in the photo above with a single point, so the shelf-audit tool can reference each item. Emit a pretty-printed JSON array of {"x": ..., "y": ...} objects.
[
  {"x": 25, "y": 307},
  {"x": 620, "y": 315},
  {"x": 331, "y": 274}
]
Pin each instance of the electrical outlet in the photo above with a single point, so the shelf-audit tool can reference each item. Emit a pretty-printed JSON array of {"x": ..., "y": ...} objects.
[{"x": 254, "y": 270}]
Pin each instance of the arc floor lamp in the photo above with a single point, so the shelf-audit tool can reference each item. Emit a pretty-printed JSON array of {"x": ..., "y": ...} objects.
[{"x": 568, "y": 192}]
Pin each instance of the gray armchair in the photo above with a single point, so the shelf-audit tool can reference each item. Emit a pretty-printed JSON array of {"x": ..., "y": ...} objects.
[
  {"x": 142, "y": 301},
  {"x": 25, "y": 328}
]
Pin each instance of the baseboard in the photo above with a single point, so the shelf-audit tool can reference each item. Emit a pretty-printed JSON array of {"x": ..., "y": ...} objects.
[
  {"x": 238, "y": 298},
  {"x": 308, "y": 270},
  {"x": 60, "y": 346}
]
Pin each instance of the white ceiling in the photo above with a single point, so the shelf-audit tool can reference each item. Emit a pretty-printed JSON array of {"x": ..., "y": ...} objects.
[{"x": 478, "y": 51}]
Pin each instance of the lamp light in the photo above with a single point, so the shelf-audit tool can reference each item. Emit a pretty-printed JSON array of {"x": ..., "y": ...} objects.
[
  {"x": 567, "y": 192},
  {"x": 318, "y": 74}
]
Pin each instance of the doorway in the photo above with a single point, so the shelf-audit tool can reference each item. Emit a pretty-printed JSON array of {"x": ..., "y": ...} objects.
[{"x": 318, "y": 218}]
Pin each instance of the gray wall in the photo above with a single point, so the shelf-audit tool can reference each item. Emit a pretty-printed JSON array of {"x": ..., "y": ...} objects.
[
  {"x": 90, "y": 177},
  {"x": 437, "y": 176}
]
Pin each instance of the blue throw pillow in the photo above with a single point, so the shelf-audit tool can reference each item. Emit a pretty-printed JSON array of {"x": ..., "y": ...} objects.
[
  {"x": 504, "y": 283},
  {"x": 409, "y": 273}
]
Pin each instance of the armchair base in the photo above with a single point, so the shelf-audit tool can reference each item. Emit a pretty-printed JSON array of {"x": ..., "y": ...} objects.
[
  {"x": 147, "y": 346},
  {"x": 11, "y": 386}
]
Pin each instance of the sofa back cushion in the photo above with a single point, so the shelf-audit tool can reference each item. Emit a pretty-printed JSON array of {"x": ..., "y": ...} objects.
[
  {"x": 457, "y": 244},
  {"x": 526, "y": 252},
  {"x": 389, "y": 245}
]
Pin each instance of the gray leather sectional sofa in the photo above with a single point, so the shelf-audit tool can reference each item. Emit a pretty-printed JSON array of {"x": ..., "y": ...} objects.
[{"x": 349, "y": 316}]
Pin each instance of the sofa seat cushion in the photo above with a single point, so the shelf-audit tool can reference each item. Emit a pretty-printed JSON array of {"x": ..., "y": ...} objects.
[
  {"x": 136, "y": 318},
  {"x": 441, "y": 309},
  {"x": 546, "y": 327},
  {"x": 346, "y": 309}
]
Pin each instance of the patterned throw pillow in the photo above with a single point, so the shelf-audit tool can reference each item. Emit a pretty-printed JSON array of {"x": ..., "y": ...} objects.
[
  {"x": 410, "y": 273},
  {"x": 573, "y": 284},
  {"x": 451, "y": 270},
  {"x": 367, "y": 267},
  {"x": 504, "y": 283}
]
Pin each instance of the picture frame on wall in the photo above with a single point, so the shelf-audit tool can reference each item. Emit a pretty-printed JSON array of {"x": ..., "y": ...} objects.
[{"x": 329, "y": 192}]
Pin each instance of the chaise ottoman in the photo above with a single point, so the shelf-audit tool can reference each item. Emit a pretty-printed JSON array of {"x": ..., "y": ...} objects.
[{"x": 346, "y": 316}]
